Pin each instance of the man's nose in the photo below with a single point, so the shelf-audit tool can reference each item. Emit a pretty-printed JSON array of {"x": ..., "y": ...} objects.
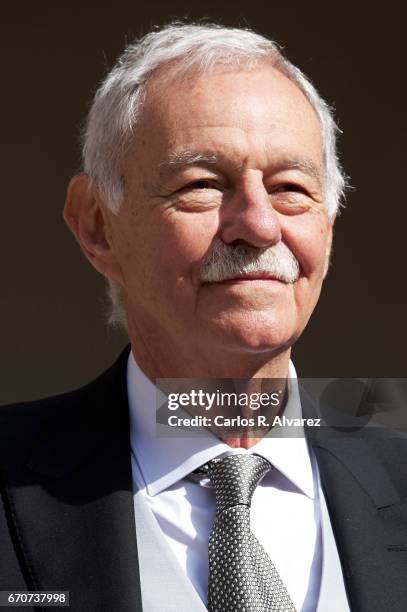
[{"x": 250, "y": 216}]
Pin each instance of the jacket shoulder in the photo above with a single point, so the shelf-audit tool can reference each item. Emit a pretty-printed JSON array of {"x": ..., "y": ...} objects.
[{"x": 22, "y": 423}]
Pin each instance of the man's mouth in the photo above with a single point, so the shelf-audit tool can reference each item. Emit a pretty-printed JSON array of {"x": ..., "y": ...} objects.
[{"x": 252, "y": 276}]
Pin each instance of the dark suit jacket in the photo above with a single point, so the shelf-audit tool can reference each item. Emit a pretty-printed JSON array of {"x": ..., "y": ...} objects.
[{"x": 67, "y": 518}]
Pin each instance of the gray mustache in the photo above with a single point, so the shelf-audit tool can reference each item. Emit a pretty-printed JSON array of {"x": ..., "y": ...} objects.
[{"x": 224, "y": 262}]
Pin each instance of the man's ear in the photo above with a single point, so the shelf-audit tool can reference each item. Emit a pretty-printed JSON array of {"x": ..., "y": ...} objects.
[
  {"x": 88, "y": 220},
  {"x": 328, "y": 249}
]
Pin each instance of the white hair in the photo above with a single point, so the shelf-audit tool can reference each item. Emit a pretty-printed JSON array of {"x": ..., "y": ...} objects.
[
  {"x": 226, "y": 261},
  {"x": 186, "y": 48}
]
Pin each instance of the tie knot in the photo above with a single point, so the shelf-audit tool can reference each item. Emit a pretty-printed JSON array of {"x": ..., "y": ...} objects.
[{"x": 235, "y": 478}]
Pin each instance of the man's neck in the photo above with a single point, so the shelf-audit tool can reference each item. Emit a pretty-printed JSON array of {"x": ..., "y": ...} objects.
[{"x": 248, "y": 373}]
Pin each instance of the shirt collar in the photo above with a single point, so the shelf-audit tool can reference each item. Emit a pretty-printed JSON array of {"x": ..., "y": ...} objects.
[{"x": 164, "y": 460}]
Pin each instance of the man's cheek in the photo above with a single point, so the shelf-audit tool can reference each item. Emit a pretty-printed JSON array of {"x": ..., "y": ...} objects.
[{"x": 312, "y": 255}]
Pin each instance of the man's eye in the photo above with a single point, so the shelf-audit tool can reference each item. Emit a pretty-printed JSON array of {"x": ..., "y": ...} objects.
[
  {"x": 201, "y": 184},
  {"x": 288, "y": 187}
]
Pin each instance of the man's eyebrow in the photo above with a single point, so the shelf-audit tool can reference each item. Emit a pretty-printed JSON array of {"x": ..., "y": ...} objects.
[
  {"x": 181, "y": 159},
  {"x": 305, "y": 165},
  {"x": 185, "y": 158}
]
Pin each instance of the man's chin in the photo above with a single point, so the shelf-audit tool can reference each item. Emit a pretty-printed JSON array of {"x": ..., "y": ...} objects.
[{"x": 247, "y": 337}]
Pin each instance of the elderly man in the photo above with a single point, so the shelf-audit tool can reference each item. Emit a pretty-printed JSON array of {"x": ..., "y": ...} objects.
[{"x": 208, "y": 197}]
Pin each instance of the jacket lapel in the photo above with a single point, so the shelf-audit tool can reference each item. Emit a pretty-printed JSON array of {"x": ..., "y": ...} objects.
[
  {"x": 368, "y": 514},
  {"x": 73, "y": 501},
  {"x": 369, "y": 522}
]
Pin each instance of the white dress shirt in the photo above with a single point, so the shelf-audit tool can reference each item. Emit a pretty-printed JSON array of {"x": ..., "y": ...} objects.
[{"x": 285, "y": 511}]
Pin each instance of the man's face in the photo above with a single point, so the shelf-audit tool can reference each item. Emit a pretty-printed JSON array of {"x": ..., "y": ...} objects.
[{"x": 224, "y": 160}]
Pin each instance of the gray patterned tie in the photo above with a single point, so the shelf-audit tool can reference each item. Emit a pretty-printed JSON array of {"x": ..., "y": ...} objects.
[{"x": 242, "y": 578}]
